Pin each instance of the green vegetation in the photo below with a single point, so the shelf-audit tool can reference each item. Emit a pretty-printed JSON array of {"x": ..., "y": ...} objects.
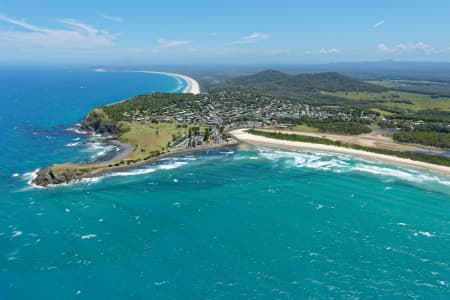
[
  {"x": 147, "y": 139},
  {"x": 401, "y": 100},
  {"x": 433, "y": 88},
  {"x": 434, "y": 159},
  {"x": 350, "y": 128},
  {"x": 329, "y": 125},
  {"x": 302, "y": 87},
  {"x": 425, "y": 115},
  {"x": 382, "y": 112},
  {"x": 155, "y": 102},
  {"x": 437, "y": 139},
  {"x": 304, "y": 127},
  {"x": 152, "y": 124}
]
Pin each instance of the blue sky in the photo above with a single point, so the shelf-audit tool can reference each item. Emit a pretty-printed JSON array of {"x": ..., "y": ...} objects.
[{"x": 244, "y": 32}]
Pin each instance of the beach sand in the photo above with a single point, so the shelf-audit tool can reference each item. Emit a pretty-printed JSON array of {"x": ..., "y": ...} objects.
[
  {"x": 242, "y": 135},
  {"x": 193, "y": 86}
]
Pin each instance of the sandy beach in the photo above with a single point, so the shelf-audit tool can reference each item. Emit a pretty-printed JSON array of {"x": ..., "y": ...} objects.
[
  {"x": 242, "y": 135},
  {"x": 193, "y": 86}
]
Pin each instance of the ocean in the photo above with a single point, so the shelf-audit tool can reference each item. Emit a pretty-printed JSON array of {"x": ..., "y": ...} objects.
[{"x": 243, "y": 222}]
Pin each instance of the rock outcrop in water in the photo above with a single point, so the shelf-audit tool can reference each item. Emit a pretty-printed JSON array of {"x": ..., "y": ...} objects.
[{"x": 49, "y": 176}]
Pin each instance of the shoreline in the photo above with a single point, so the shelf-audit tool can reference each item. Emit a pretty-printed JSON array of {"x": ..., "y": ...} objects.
[
  {"x": 193, "y": 87},
  {"x": 102, "y": 172},
  {"x": 241, "y": 135},
  {"x": 110, "y": 170},
  {"x": 102, "y": 167}
]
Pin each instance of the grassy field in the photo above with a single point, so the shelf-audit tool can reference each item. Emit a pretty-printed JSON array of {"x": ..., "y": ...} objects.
[
  {"x": 304, "y": 127},
  {"x": 147, "y": 138},
  {"x": 381, "y": 112},
  {"x": 393, "y": 99}
]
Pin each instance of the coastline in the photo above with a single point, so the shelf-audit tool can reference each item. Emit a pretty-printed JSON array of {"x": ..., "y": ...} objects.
[
  {"x": 110, "y": 170},
  {"x": 193, "y": 87},
  {"x": 104, "y": 167},
  {"x": 243, "y": 136},
  {"x": 102, "y": 172}
]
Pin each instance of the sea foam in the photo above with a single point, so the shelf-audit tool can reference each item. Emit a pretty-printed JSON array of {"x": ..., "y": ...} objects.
[{"x": 338, "y": 163}]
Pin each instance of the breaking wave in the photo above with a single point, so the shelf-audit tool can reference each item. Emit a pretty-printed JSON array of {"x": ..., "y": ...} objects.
[
  {"x": 341, "y": 163},
  {"x": 149, "y": 169}
]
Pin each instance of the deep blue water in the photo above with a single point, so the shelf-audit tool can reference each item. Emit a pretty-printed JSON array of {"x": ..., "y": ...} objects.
[{"x": 238, "y": 223}]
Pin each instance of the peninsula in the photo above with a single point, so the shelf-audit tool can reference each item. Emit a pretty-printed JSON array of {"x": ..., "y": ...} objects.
[{"x": 307, "y": 106}]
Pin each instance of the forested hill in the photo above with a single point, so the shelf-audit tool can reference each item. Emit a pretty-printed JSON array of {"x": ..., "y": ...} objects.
[{"x": 282, "y": 84}]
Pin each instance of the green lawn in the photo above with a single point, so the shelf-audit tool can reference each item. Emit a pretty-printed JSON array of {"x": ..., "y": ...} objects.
[
  {"x": 146, "y": 138},
  {"x": 304, "y": 127}
]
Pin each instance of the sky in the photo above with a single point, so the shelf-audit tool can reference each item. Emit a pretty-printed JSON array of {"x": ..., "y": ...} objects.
[{"x": 223, "y": 32}]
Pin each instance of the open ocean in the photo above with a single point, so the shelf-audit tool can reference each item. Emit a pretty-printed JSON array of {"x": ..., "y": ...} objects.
[{"x": 238, "y": 223}]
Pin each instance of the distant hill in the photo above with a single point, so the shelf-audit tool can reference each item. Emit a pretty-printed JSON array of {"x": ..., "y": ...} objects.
[
  {"x": 306, "y": 87},
  {"x": 275, "y": 82}
]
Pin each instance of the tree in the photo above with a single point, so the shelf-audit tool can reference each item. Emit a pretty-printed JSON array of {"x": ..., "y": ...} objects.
[{"x": 206, "y": 135}]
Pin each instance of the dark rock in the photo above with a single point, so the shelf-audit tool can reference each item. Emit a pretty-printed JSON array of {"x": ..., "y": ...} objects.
[{"x": 48, "y": 176}]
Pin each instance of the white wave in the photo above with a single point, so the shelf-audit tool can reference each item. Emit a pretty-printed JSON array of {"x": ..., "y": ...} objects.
[
  {"x": 424, "y": 233},
  {"x": 171, "y": 166},
  {"x": 191, "y": 158},
  {"x": 89, "y": 180},
  {"x": 227, "y": 152},
  {"x": 15, "y": 175},
  {"x": 98, "y": 154},
  {"x": 322, "y": 161},
  {"x": 403, "y": 174},
  {"x": 133, "y": 172},
  {"x": 29, "y": 176},
  {"x": 77, "y": 130},
  {"x": 99, "y": 149},
  {"x": 72, "y": 144},
  {"x": 148, "y": 170},
  {"x": 88, "y": 236},
  {"x": 160, "y": 283},
  {"x": 345, "y": 163},
  {"x": 16, "y": 233},
  {"x": 93, "y": 147}
]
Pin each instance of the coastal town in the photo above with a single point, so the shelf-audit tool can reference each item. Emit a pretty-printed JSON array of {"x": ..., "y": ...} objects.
[
  {"x": 229, "y": 109},
  {"x": 232, "y": 109}
]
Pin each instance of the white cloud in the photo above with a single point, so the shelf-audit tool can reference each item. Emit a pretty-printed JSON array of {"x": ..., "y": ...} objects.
[
  {"x": 329, "y": 51},
  {"x": 409, "y": 48},
  {"x": 378, "y": 24},
  {"x": 163, "y": 43},
  {"x": 113, "y": 18},
  {"x": 324, "y": 51},
  {"x": 252, "y": 38},
  {"x": 74, "y": 35}
]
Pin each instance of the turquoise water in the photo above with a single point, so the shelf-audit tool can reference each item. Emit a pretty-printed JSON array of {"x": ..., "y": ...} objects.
[{"x": 239, "y": 223}]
